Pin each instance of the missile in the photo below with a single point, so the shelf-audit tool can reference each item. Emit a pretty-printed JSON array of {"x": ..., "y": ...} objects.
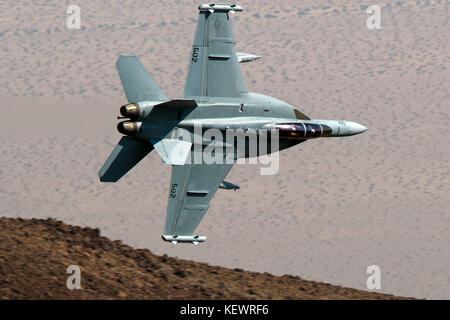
[
  {"x": 220, "y": 7},
  {"x": 228, "y": 186},
  {"x": 246, "y": 57},
  {"x": 175, "y": 239}
]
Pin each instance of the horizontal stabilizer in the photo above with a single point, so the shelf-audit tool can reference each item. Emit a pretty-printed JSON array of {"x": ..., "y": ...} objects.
[
  {"x": 172, "y": 151},
  {"x": 125, "y": 156}
]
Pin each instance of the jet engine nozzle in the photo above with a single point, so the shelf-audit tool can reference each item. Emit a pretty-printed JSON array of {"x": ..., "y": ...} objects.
[
  {"x": 129, "y": 128},
  {"x": 130, "y": 110}
]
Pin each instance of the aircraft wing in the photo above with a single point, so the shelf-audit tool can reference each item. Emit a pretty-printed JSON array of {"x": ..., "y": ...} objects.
[
  {"x": 192, "y": 187},
  {"x": 137, "y": 82},
  {"x": 214, "y": 69}
]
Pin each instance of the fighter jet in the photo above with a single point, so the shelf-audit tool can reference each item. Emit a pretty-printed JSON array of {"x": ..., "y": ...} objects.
[{"x": 215, "y": 98}]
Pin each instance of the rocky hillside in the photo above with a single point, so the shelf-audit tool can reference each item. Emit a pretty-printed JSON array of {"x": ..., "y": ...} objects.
[{"x": 35, "y": 254}]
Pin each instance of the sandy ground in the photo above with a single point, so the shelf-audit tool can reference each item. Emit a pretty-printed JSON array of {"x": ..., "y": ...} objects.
[{"x": 335, "y": 207}]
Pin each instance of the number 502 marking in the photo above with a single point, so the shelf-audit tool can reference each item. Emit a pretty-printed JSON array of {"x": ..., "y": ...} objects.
[
  {"x": 173, "y": 190},
  {"x": 195, "y": 54}
]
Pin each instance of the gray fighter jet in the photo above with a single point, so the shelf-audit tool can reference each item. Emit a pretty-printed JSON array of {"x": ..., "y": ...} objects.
[{"x": 215, "y": 98}]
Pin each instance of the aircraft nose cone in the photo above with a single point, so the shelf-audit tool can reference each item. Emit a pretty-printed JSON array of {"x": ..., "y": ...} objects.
[
  {"x": 357, "y": 128},
  {"x": 349, "y": 128}
]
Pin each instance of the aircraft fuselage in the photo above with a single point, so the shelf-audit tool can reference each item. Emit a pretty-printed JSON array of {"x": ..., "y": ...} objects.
[{"x": 256, "y": 113}]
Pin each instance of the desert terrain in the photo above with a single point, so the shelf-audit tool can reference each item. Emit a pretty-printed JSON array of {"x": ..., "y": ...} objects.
[{"x": 335, "y": 207}]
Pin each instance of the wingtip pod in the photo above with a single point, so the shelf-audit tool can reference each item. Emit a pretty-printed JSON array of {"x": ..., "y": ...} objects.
[
  {"x": 220, "y": 7},
  {"x": 175, "y": 239}
]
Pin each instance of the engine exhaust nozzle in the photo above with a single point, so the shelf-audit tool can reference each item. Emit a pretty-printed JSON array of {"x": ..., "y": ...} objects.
[
  {"x": 130, "y": 110},
  {"x": 128, "y": 128}
]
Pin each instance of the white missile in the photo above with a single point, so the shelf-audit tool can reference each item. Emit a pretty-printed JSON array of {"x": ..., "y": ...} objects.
[
  {"x": 246, "y": 57},
  {"x": 175, "y": 239},
  {"x": 220, "y": 7}
]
